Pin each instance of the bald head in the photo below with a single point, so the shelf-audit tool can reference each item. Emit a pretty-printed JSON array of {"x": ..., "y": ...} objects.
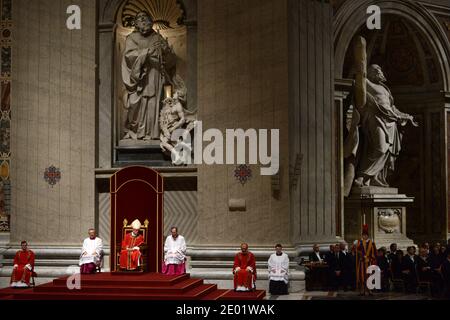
[{"x": 91, "y": 233}]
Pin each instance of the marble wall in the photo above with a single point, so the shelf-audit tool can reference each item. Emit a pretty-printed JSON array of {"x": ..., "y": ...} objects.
[
  {"x": 243, "y": 83},
  {"x": 53, "y": 121}
]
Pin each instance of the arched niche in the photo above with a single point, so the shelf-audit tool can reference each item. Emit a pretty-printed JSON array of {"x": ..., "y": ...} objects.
[
  {"x": 403, "y": 52},
  {"x": 168, "y": 21},
  {"x": 112, "y": 31},
  {"x": 413, "y": 50},
  {"x": 353, "y": 14}
]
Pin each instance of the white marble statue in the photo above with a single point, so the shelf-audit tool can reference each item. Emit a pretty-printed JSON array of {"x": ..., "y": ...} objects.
[
  {"x": 377, "y": 118},
  {"x": 147, "y": 64},
  {"x": 174, "y": 116}
]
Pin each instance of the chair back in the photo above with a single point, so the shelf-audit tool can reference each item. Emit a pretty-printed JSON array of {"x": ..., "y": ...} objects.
[{"x": 126, "y": 229}]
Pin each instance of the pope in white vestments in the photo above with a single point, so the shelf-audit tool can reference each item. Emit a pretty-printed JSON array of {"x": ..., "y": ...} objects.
[
  {"x": 91, "y": 253},
  {"x": 174, "y": 254},
  {"x": 278, "y": 272}
]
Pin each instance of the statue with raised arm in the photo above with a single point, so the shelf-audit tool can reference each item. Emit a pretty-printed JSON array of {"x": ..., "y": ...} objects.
[{"x": 374, "y": 141}]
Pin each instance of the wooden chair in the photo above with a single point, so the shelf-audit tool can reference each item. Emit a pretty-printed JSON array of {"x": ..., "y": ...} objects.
[
  {"x": 32, "y": 282},
  {"x": 144, "y": 232},
  {"x": 99, "y": 266},
  {"x": 398, "y": 284},
  {"x": 424, "y": 285}
]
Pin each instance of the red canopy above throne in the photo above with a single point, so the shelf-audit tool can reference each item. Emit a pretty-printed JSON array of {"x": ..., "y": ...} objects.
[{"x": 138, "y": 193}]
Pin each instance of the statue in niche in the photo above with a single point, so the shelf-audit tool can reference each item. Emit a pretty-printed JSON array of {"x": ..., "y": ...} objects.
[
  {"x": 148, "y": 64},
  {"x": 174, "y": 116},
  {"x": 374, "y": 140}
]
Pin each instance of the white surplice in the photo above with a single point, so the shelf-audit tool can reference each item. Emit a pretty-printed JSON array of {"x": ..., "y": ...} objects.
[
  {"x": 91, "y": 251},
  {"x": 174, "y": 250},
  {"x": 279, "y": 267}
]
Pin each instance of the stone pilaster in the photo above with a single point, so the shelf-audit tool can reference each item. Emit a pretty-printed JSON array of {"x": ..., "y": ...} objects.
[{"x": 312, "y": 126}]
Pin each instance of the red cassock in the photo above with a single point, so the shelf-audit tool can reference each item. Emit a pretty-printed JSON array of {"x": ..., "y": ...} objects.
[
  {"x": 21, "y": 273},
  {"x": 130, "y": 260},
  {"x": 244, "y": 277}
]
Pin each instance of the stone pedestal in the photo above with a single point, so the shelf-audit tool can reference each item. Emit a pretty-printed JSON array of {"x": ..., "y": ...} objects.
[
  {"x": 383, "y": 209},
  {"x": 146, "y": 153}
]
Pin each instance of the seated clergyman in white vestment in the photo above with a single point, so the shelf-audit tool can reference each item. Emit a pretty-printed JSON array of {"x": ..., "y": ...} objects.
[
  {"x": 91, "y": 253},
  {"x": 174, "y": 254},
  {"x": 278, "y": 272}
]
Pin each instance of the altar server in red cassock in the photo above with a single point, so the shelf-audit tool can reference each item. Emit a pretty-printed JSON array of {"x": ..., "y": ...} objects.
[
  {"x": 130, "y": 255},
  {"x": 244, "y": 270},
  {"x": 365, "y": 257},
  {"x": 23, "y": 267}
]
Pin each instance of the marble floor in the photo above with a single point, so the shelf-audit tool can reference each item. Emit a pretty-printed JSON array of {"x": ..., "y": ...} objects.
[{"x": 350, "y": 295}]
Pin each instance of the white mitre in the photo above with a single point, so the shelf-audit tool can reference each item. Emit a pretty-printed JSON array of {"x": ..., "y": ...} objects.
[{"x": 136, "y": 224}]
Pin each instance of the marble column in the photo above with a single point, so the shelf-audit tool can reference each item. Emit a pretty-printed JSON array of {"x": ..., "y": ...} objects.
[
  {"x": 343, "y": 87},
  {"x": 105, "y": 116},
  {"x": 312, "y": 126}
]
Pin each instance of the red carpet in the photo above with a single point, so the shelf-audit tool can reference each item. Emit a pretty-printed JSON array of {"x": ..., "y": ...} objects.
[{"x": 150, "y": 286}]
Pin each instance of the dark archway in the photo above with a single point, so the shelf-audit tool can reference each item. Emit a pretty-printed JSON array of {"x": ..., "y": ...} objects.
[
  {"x": 109, "y": 25},
  {"x": 352, "y": 15},
  {"x": 413, "y": 50}
]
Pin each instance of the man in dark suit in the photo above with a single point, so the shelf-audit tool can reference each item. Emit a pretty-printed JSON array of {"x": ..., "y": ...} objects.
[
  {"x": 392, "y": 255},
  {"x": 347, "y": 267},
  {"x": 396, "y": 265},
  {"x": 330, "y": 253},
  {"x": 392, "y": 260},
  {"x": 316, "y": 256},
  {"x": 317, "y": 272},
  {"x": 435, "y": 261},
  {"x": 423, "y": 265},
  {"x": 338, "y": 267},
  {"x": 383, "y": 264},
  {"x": 426, "y": 246},
  {"x": 446, "y": 275},
  {"x": 409, "y": 269},
  {"x": 331, "y": 258}
]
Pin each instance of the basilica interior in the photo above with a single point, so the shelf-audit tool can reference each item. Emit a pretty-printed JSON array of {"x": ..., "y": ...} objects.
[{"x": 289, "y": 65}]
